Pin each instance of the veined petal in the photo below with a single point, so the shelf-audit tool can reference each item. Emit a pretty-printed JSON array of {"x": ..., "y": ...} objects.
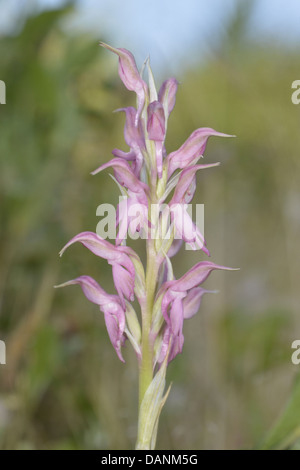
[
  {"x": 115, "y": 255},
  {"x": 196, "y": 275},
  {"x": 115, "y": 328},
  {"x": 183, "y": 223},
  {"x": 170, "y": 185},
  {"x": 96, "y": 245},
  {"x": 125, "y": 176},
  {"x": 91, "y": 289},
  {"x": 130, "y": 76},
  {"x": 165, "y": 341},
  {"x": 131, "y": 214},
  {"x": 192, "y": 149},
  {"x": 186, "y": 229},
  {"x": 133, "y": 134},
  {"x": 129, "y": 156},
  {"x": 168, "y": 269},
  {"x": 156, "y": 122},
  {"x": 138, "y": 217},
  {"x": 191, "y": 303},
  {"x": 170, "y": 297},
  {"x": 167, "y": 95},
  {"x": 183, "y": 192},
  {"x": 175, "y": 247},
  {"x": 124, "y": 283},
  {"x": 114, "y": 314},
  {"x": 176, "y": 346},
  {"x": 171, "y": 345},
  {"x": 160, "y": 152},
  {"x": 135, "y": 156},
  {"x": 176, "y": 316},
  {"x": 122, "y": 220}
]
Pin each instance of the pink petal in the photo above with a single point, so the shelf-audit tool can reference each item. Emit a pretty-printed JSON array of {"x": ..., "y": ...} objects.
[
  {"x": 186, "y": 229},
  {"x": 115, "y": 332},
  {"x": 176, "y": 346},
  {"x": 175, "y": 247},
  {"x": 167, "y": 95},
  {"x": 91, "y": 289},
  {"x": 156, "y": 122},
  {"x": 176, "y": 316},
  {"x": 122, "y": 220},
  {"x": 130, "y": 214},
  {"x": 170, "y": 297},
  {"x": 171, "y": 343},
  {"x": 96, "y": 245},
  {"x": 192, "y": 301},
  {"x": 115, "y": 255},
  {"x": 196, "y": 275},
  {"x": 124, "y": 283},
  {"x": 125, "y": 176},
  {"x": 133, "y": 134},
  {"x": 186, "y": 181},
  {"x": 130, "y": 76},
  {"x": 114, "y": 314},
  {"x": 192, "y": 149},
  {"x": 165, "y": 344},
  {"x": 160, "y": 152},
  {"x": 129, "y": 156}
]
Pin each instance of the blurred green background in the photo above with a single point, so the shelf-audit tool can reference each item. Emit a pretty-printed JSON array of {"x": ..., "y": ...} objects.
[{"x": 63, "y": 387}]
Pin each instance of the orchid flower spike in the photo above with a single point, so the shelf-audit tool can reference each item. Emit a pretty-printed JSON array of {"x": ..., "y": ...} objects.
[{"x": 156, "y": 188}]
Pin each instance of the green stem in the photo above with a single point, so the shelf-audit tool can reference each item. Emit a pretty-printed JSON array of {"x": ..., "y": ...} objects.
[
  {"x": 146, "y": 428},
  {"x": 146, "y": 366}
]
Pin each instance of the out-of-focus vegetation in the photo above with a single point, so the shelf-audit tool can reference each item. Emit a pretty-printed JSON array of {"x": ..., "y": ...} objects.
[{"x": 63, "y": 386}]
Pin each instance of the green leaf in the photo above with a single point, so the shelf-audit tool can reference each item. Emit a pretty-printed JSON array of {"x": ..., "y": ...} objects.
[
  {"x": 286, "y": 430},
  {"x": 150, "y": 410}
]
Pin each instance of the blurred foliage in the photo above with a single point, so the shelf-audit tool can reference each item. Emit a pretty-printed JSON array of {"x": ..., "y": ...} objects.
[
  {"x": 286, "y": 432},
  {"x": 63, "y": 387}
]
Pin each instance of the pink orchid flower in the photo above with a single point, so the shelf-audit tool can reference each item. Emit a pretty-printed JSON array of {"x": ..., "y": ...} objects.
[
  {"x": 181, "y": 300},
  {"x": 117, "y": 256},
  {"x": 134, "y": 138},
  {"x": 192, "y": 149},
  {"x": 130, "y": 76},
  {"x": 110, "y": 305},
  {"x": 185, "y": 228}
]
